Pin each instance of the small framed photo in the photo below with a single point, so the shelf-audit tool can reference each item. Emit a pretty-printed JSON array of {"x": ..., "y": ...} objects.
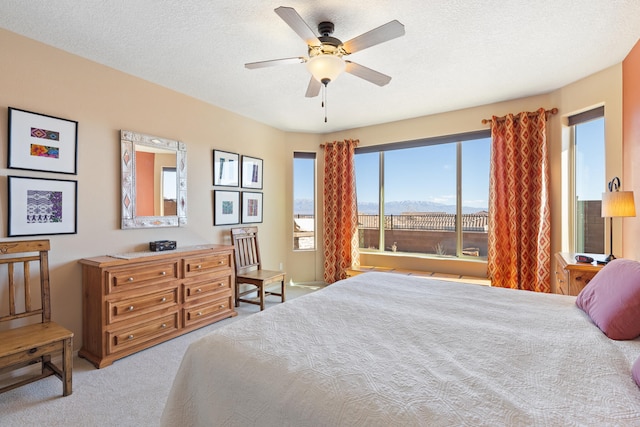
[
  {"x": 226, "y": 167},
  {"x": 42, "y": 143},
  {"x": 251, "y": 207},
  {"x": 40, "y": 206},
  {"x": 251, "y": 172},
  {"x": 227, "y": 207}
]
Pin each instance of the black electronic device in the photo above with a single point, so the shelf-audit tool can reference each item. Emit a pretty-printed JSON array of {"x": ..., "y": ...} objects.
[
  {"x": 584, "y": 258},
  {"x": 162, "y": 245}
]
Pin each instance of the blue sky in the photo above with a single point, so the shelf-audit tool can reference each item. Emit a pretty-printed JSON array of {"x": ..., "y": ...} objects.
[
  {"x": 591, "y": 181},
  {"x": 428, "y": 173}
]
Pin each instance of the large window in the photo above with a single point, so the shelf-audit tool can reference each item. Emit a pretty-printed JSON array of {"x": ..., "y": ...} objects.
[
  {"x": 304, "y": 201},
  {"x": 587, "y": 130},
  {"x": 428, "y": 196}
]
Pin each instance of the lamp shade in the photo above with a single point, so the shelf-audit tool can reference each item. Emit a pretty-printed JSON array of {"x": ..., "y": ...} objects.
[
  {"x": 325, "y": 68},
  {"x": 618, "y": 204}
]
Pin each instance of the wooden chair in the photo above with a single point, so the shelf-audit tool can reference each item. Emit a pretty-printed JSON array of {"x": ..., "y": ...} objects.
[
  {"x": 36, "y": 342},
  {"x": 249, "y": 268}
]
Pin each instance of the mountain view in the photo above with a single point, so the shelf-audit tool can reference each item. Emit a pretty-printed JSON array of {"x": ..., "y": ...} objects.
[{"x": 305, "y": 207}]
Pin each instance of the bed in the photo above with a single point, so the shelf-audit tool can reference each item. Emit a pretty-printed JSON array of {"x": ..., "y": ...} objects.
[{"x": 382, "y": 349}]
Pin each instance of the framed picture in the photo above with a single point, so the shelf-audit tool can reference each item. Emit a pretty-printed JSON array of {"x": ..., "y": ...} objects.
[
  {"x": 251, "y": 172},
  {"x": 42, "y": 206},
  {"x": 226, "y": 167},
  {"x": 251, "y": 207},
  {"x": 42, "y": 143},
  {"x": 227, "y": 207}
]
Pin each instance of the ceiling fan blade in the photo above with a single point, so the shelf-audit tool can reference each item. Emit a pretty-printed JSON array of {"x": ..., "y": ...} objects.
[
  {"x": 313, "y": 89},
  {"x": 383, "y": 33},
  {"x": 297, "y": 24},
  {"x": 273, "y": 62},
  {"x": 367, "y": 73}
]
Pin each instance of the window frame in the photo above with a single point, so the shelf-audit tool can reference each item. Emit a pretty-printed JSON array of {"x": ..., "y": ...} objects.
[
  {"x": 572, "y": 121},
  {"x": 309, "y": 156},
  {"x": 458, "y": 139}
]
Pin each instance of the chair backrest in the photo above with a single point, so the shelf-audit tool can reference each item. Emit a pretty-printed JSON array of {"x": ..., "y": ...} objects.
[
  {"x": 25, "y": 298},
  {"x": 247, "y": 250}
]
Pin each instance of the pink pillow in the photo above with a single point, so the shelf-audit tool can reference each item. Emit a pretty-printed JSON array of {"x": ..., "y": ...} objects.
[
  {"x": 635, "y": 371},
  {"x": 612, "y": 299}
]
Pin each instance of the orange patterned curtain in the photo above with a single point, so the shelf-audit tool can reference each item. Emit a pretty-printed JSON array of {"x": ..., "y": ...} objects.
[
  {"x": 519, "y": 253},
  {"x": 340, "y": 210}
]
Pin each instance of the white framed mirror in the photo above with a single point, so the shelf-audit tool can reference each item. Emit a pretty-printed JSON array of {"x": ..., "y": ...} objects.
[{"x": 154, "y": 181}]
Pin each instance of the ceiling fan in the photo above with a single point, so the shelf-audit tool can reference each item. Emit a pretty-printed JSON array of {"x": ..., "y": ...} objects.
[{"x": 325, "y": 61}]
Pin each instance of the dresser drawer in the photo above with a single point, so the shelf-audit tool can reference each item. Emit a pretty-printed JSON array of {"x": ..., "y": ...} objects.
[
  {"x": 562, "y": 280},
  {"x": 195, "y": 266},
  {"x": 206, "y": 288},
  {"x": 203, "y": 312},
  {"x": 141, "y": 333},
  {"x": 131, "y": 307},
  {"x": 33, "y": 353},
  {"x": 125, "y": 279},
  {"x": 579, "y": 279}
]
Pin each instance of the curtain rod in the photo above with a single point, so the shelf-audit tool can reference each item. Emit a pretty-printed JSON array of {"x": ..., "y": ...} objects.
[
  {"x": 355, "y": 142},
  {"x": 547, "y": 113}
]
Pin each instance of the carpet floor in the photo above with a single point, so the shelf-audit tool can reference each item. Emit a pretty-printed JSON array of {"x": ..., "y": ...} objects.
[{"x": 131, "y": 392}]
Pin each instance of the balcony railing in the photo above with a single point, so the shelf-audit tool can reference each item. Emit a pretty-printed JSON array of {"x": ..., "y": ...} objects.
[
  {"x": 420, "y": 232},
  {"x": 426, "y": 221}
]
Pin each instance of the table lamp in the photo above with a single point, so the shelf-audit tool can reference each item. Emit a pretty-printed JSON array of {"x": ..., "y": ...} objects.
[{"x": 616, "y": 203}]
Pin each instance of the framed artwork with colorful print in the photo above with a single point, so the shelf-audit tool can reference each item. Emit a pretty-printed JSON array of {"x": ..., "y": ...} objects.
[
  {"x": 251, "y": 207},
  {"x": 225, "y": 168},
  {"x": 40, "y": 206},
  {"x": 42, "y": 143},
  {"x": 227, "y": 207},
  {"x": 251, "y": 172}
]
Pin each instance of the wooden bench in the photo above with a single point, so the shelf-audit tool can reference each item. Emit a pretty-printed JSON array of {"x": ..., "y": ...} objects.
[
  {"x": 354, "y": 271},
  {"x": 24, "y": 345}
]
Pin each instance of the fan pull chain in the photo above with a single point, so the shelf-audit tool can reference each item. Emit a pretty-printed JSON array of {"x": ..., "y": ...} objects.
[
  {"x": 324, "y": 101},
  {"x": 324, "y": 104}
]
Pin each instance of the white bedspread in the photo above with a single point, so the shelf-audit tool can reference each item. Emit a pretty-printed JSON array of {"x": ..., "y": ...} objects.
[{"x": 383, "y": 349}]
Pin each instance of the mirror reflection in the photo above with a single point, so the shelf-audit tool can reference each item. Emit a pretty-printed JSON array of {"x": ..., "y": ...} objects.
[
  {"x": 156, "y": 190},
  {"x": 153, "y": 181}
]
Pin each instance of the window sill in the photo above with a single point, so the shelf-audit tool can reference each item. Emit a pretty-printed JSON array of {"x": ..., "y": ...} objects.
[{"x": 423, "y": 263}]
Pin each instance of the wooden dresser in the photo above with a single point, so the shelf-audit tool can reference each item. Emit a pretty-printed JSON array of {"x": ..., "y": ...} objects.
[
  {"x": 134, "y": 301},
  {"x": 573, "y": 276}
]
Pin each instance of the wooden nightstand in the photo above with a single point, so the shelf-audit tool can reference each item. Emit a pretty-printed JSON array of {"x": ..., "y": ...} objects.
[{"x": 572, "y": 276}]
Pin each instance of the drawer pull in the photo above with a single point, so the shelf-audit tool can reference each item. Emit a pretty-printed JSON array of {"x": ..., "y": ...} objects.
[
  {"x": 221, "y": 284},
  {"x": 198, "y": 290},
  {"x": 199, "y": 313},
  {"x": 220, "y": 262},
  {"x": 33, "y": 350},
  {"x": 130, "y": 279},
  {"x": 221, "y": 306},
  {"x": 164, "y": 273},
  {"x": 130, "y": 337},
  {"x": 163, "y": 299},
  {"x": 199, "y": 266},
  {"x": 164, "y": 325},
  {"x": 130, "y": 308}
]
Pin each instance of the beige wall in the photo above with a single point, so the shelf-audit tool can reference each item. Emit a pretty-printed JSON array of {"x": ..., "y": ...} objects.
[
  {"x": 38, "y": 78},
  {"x": 603, "y": 88},
  {"x": 45, "y": 80}
]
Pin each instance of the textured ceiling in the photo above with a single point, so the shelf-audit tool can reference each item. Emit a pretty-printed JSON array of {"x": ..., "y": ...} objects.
[{"x": 455, "y": 54}]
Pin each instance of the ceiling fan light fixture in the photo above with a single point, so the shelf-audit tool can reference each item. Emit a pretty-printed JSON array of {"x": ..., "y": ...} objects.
[{"x": 326, "y": 68}]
